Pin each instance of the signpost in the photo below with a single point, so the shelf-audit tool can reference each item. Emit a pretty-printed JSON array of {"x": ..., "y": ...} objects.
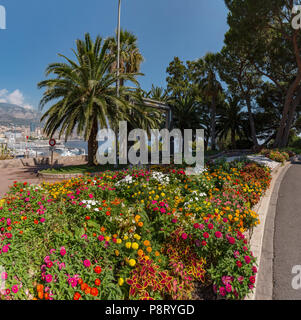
[{"x": 52, "y": 144}]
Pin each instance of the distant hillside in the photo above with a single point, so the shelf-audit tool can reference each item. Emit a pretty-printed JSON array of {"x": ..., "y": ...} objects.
[{"x": 13, "y": 114}]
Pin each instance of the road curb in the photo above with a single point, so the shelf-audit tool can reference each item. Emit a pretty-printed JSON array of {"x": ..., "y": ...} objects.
[{"x": 262, "y": 240}]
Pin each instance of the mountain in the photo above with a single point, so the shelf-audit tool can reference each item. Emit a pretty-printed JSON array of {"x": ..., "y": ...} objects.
[{"x": 13, "y": 114}]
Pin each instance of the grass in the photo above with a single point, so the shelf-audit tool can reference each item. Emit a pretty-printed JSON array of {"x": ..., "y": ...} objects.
[{"x": 83, "y": 169}]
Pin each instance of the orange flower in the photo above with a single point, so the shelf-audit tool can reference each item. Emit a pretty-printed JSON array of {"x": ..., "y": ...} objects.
[
  {"x": 146, "y": 243},
  {"x": 140, "y": 224},
  {"x": 88, "y": 290},
  {"x": 40, "y": 288},
  {"x": 84, "y": 286},
  {"x": 80, "y": 281},
  {"x": 149, "y": 249},
  {"x": 157, "y": 253},
  {"x": 140, "y": 253},
  {"x": 40, "y": 295}
]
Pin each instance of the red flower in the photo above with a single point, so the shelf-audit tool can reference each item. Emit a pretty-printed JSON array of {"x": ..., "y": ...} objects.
[
  {"x": 210, "y": 226},
  {"x": 97, "y": 269},
  {"x": 94, "y": 292},
  {"x": 254, "y": 269},
  {"x": 206, "y": 235},
  {"x": 196, "y": 225},
  {"x": 239, "y": 264},
  {"x": 204, "y": 243},
  {"x": 77, "y": 296},
  {"x": 97, "y": 282},
  {"x": 252, "y": 279}
]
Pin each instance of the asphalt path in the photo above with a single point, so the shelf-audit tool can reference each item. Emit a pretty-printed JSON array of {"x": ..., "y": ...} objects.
[{"x": 287, "y": 237}]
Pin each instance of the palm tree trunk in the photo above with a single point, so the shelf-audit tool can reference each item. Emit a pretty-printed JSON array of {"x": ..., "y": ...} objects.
[
  {"x": 233, "y": 141},
  {"x": 212, "y": 118},
  {"x": 92, "y": 144}
]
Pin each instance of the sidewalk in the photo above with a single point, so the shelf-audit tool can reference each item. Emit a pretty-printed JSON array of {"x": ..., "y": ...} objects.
[{"x": 9, "y": 175}]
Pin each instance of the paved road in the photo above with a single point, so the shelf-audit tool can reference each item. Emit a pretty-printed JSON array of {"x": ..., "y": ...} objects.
[{"x": 287, "y": 238}]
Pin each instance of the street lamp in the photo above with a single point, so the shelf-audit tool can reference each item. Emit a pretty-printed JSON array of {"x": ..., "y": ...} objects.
[{"x": 118, "y": 48}]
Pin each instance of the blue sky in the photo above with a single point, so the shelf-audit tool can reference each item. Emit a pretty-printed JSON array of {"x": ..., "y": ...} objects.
[{"x": 38, "y": 30}]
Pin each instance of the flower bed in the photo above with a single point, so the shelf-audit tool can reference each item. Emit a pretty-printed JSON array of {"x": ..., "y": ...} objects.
[
  {"x": 276, "y": 155},
  {"x": 132, "y": 234}
]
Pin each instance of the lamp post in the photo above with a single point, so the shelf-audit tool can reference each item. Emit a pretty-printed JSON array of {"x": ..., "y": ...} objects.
[{"x": 118, "y": 48}]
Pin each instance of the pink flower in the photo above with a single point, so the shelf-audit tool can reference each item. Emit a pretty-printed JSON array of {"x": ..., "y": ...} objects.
[
  {"x": 162, "y": 210},
  {"x": 218, "y": 234},
  {"x": 87, "y": 263},
  {"x": 240, "y": 279},
  {"x": 101, "y": 238},
  {"x": 231, "y": 240},
  {"x": 222, "y": 291},
  {"x": 15, "y": 289},
  {"x": 4, "y": 276},
  {"x": 91, "y": 196},
  {"x": 236, "y": 254},
  {"x": 8, "y": 221},
  {"x": 48, "y": 278},
  {"x": 63, "y": 251},
  {"x": 42, "y": 220},
  {"x": 5, "y": 248},
  {"x": 228, "y": 287},
  {"x": 247, "y": 259},
  {"x": 184, "y": 236}
]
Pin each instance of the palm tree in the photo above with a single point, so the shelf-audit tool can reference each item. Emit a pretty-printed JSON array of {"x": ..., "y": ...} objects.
[
  {"x": 230, "y": 120},
  {"x": 211, "y": 88},
  {"x": 158, "y": 94},
  {"x": 130, "y": 56},
  {"x": 186, "y": 113},
  {"x": 84, "y": 94}
]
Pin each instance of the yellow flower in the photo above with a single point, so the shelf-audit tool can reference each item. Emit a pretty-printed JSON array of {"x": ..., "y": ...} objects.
[
  {"x": 135, "y": 246},
  {"x": 116, "y": 253},
  {"x": 125, "y": 237},
  {"x": 137, "y": 237},
  {"x": 120, "y": 282},
  {"x": 118, "y": 241},
  {"x": 128, "y": 245},
  {"x": 132, "y": 263}
]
